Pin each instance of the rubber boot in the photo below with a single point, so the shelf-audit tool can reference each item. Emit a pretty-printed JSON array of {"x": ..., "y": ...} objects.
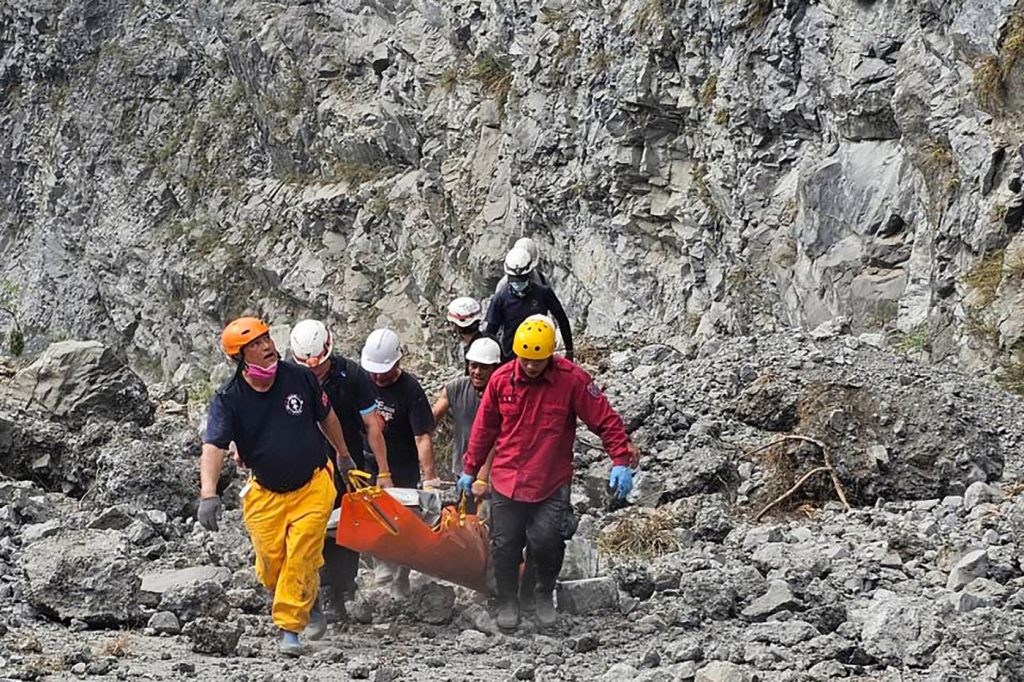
[
  {"x": 508, "y": 599},
  {"x": 290, "y": 644},
  {"x": 544, "y": 608},
  {"x": 317, "y": 626},
  {"x": 508, "y": 613}
]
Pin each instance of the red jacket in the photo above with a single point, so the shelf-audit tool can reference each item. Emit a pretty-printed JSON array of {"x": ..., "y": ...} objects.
[{"x": 533, "y": 423}]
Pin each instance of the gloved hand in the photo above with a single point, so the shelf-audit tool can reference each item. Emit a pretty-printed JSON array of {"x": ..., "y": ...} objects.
[
  {"x": 621, "y": 480},
  {"x": 465, "y": 484},
  {"x": 432, "y": 484},
  {"x": 345, "y": 464},
  {"x": 480, "y": 489},
  {"x": 209, "y": 508}
]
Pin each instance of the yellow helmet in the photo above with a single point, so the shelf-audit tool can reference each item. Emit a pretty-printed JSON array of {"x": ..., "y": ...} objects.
[{"x": 534, "y": 340}]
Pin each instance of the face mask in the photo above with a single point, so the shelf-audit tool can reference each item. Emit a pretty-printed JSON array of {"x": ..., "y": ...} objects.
[
  {"x": 261, "y": 373},
  {"x": 518, "y": 286}
]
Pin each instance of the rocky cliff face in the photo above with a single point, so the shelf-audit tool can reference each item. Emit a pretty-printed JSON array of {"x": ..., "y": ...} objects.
[{"x": 691, "y": 169}]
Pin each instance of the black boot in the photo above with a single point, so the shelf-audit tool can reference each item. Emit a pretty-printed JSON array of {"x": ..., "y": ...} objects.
[
  {"x": 508, "y": 614},
  {"x": 508, "y": 599},
  {"x": 544, "y": 608}
]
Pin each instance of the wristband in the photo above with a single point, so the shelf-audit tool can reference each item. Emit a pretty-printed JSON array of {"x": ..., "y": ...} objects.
[
  {"x": 384, "y": 474},
  {"x": 480, "y": 480}
]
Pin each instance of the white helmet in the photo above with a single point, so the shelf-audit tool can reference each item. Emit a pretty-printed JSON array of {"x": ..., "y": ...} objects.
[
  {"x": 530, "y": 247},
  {"x": 311, "y": 342},
  {"x": 518, "y": 262},
  {"x": 381, "y": 351},
  {"x": 464, "y": 311},
  {"x": 485, "y": 351}
]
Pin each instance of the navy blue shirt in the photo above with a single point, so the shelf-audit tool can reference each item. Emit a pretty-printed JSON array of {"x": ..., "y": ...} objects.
[
  {"x": 277, "y": 432},
  {"x": 352, "y": 397},
  {"x": 507, "y": 311}
]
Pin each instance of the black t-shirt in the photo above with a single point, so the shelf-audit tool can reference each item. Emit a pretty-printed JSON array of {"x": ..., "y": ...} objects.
[
  {"x": 276, "y": 432},
  {"x": 406, "y": 413},
  {"x": 507, "y": 311},
  {"x": 352, "y": 396}
]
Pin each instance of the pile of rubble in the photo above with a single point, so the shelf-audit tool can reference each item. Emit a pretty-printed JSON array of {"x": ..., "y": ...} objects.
[{"x": 104, "y": 572}]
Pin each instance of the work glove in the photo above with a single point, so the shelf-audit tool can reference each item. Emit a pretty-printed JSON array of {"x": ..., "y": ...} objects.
[
  {"x": 465, "y": 484},
  {"x": 480, "y": 489},
  {"x": 621, "y": 480},
  {"x": 345, "y": 464},
  {"x": 209, "y": 508},
  {"x": 432, "y": 484}
]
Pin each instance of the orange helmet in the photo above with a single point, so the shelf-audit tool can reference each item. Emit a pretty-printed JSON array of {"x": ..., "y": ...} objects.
[{"x": 240, "y": 332}]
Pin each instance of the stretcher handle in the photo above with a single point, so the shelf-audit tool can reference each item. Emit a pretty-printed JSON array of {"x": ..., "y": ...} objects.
[{"x": 359, "y": 480}]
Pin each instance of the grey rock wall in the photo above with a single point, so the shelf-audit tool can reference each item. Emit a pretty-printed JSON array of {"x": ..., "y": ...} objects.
[{"x": 690, "y": 169}]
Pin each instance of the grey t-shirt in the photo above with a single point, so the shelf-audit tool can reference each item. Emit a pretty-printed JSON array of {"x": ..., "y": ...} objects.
[{"x": 463, "y": 401}]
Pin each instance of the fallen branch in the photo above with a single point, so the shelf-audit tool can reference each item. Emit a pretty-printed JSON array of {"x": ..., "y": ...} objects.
[{"x": 836, "y": 483}]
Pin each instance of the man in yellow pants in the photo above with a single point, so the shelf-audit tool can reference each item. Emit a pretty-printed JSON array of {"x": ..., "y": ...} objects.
[{"x": 275, "y": 412}]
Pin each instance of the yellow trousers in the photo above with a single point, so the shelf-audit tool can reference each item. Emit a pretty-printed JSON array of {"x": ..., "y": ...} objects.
[{"x": 287, "y": 531}]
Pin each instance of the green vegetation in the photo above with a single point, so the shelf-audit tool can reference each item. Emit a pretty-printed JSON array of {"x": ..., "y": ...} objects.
[
  {"x": 984, "y": 277},
  {"x": 568, "y": 46},
  {"x": 9, "y": 305},
  {"x": 600, "y": 61},
  {"x": 938, "y": 156},
  {"x": 708, "y": 90},
  {"x": 992, "y": 71},
  {"x": 882, "y": 314},
  {"x": 494, "y": 73},
  {"x": 915, "y": 341},
  {"x": 1011, "y": 377},
  {"x": 999, "y": 213},
  {"x": 722, "y": 117},
  {"x": 757, "y": 13},
  {"x": 653, "y": 15},
  {"x": 450, "y": 77}
]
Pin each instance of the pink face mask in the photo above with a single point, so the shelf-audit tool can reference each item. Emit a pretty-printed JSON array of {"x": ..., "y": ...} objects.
[{"x": 261, "y": 373}]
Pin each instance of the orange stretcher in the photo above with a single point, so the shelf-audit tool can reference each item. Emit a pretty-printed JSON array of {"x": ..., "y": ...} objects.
[{"x": 375, "y": 523}]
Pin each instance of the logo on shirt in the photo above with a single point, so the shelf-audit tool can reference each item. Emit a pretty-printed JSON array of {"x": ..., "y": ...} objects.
[
  {"x": 293, "y": 404},
  {"x": 593, "y": 390},
  {"x": 386, "y": 412}
]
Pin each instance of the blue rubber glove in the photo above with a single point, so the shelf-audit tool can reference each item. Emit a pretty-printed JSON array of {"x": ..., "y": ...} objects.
[
  {"x": 621, "y": 480},
  {"x": 465, "y": 484}
]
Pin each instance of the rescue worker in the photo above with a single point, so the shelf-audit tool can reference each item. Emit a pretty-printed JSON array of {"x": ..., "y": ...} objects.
[
  {"x": 275, "y": 412},
  {"x": 522, "y": 298},
  {"x": 530, "y": 246},
  {"x": 461, "y": 397},
  {"x": 528, "y": 413},
  {"x": 408, "y": 424},
  {"x": 465, "y": 316},
  {"x": 353, "y": 399}
]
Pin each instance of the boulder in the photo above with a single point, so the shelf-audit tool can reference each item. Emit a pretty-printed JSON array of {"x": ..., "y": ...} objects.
[
  {"x": 164, "y": 622},
  {"x": 722, "y": 671},
  {"x": 213, "y": 636},
  {"x": 972, "y": 565},
  {"x": 593, "y": 595},
  {"x": 770, "y": 403},
  {"x": 433, "y": 603},
  {"x": 85, "y": 575},
  {"x": 154, "y": 584},
  {"x": 191, "y": 601},
  {"x": 77, "y": 380},
  {"x": 898, "y": 630},
  {"x": 778, "y": 597}
]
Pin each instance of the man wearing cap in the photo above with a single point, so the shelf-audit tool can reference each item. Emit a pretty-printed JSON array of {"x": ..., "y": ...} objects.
[
  {"x": 275, "y": 413},
  {"x": 408, "y": 424},
  {"x": 528, "y": 414}
]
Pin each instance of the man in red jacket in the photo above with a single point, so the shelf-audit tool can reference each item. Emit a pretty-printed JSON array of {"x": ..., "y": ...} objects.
[{"x": 528, "y": 412}]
